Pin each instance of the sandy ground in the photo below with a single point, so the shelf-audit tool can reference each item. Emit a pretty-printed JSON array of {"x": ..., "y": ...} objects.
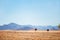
[{"x": 29, "y": 35}]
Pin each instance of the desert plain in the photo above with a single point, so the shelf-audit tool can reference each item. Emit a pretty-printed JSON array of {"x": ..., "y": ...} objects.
[{"x": 29, "y": 35}]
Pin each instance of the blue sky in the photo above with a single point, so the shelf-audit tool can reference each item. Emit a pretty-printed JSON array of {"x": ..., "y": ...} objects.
[{"x": 30, "y": 12}]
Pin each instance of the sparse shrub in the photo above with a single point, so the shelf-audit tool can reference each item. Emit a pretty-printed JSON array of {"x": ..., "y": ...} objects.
[
  {"x": 35, "y": 29},
  {"x": 59, "y": 26},
  {"x": 47, "y": 29}
]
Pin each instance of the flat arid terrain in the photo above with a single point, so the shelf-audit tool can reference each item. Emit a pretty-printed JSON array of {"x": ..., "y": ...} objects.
[{"x": 29, "y": 35}]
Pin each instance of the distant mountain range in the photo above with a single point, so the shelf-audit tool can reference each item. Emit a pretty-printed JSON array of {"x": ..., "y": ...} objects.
[{"x": 14, "y": 26}]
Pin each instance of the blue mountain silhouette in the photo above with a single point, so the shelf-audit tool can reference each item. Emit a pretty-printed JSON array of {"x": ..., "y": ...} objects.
[{"x": 14, "y": 26}]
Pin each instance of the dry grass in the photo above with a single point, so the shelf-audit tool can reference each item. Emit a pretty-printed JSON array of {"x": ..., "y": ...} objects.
[{"x": 29, "y": 35}]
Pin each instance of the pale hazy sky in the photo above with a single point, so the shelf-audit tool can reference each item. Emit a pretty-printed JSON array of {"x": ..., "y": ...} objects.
[{"x": 33, "y": 12}]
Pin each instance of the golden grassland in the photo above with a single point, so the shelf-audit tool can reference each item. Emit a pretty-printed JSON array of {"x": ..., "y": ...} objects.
[{"x": 29, "y": 35}]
